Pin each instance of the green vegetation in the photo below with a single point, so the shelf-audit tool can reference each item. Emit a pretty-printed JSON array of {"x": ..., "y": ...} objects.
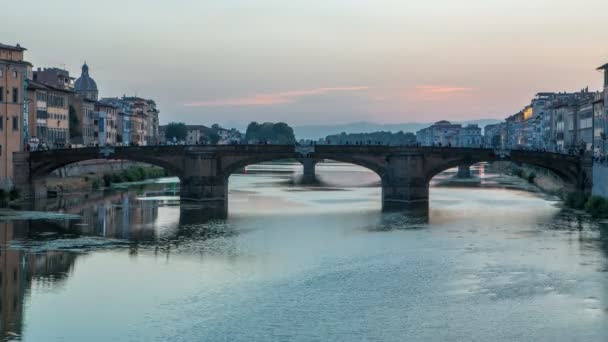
[
  {"x": 597, "y": 207},
  {"x": 177, "y": 130},
  {"x": 518, "y": 172},
  {"x": 576, "y": 200},
  {"x": 95, "y": 185},
  {"x": 274, "y": 133},
  {"x": 3, "y": 198},
  {"x": 133, "y": 174},
  {"x": 7, "y": 196},
  {"x": 383, "y": 138},
  {"x": 594, "y": 205},
  {"x": 531, "y": 177}
]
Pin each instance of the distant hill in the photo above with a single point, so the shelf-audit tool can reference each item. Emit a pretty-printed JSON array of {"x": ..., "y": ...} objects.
[{"x": 321, "y": 131}]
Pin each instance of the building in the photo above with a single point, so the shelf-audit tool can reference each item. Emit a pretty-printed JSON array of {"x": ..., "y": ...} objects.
[
  {"x": 14, "y": 73},
  {"x": 145, "y": 110},
  {"x": 123, "y": 135},
  {"x": 48, "y": 115},
  {"x": 228, "y": 136},
  {"x": 105, "y": 119},
  {"x": 55, "y": 77},
  {"x": 58, "y": 117},
  {"x": 441, "y": 133},
  {"x": 85, "y": 85},
  {"x": 470, "y": 136},
  {"x": 602, "y": 113},
  {"x": 495, "y": 136},
  {"x": 84, "y": 130},
  {"x": 143, "y": 118},
  {"x": 197, "y": 134},
  {"x": 599, "y": 125},
  {"x": 584, "y": 124},
  {"x": 138, "y": 135},
  {"x": 37, "y": 113}
]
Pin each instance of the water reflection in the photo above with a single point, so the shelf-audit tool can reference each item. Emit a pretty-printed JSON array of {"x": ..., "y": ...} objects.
[
  {"x": 284, "y": 240},
  {"x": 20, "y": 269}
]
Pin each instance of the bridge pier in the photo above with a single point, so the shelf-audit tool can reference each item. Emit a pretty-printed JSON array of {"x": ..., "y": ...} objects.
[
  {"x": 464, "y": 171},
  {"x": 308, "y": 176},
  {"x": 23, "y": 182},
  {"x": 405, "y": 196},
  {"x": 203, "y": 184},
  {"x": 404, "y": 186}
]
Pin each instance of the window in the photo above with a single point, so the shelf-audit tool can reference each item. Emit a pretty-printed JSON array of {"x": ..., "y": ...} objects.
[
  {"x": 1, "y": 94},
  {"x": 15, "y": 94},
  {"x": 1, "y": 123},
  {"x": 40, "y": 96},
  {"x": 15, "y": 123},
  {"x": 15, "y": 74},
  {"x": 0, "y": 73}
]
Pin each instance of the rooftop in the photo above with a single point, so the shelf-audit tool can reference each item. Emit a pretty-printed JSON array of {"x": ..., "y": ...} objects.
[
  {"x": 34, "y": 85},
  {"x": 10, "y": 47},
  {"x": 603, "y": 67}
]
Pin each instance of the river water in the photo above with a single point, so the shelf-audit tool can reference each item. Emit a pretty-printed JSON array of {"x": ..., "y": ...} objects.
[{"x": 490, "y": 261}]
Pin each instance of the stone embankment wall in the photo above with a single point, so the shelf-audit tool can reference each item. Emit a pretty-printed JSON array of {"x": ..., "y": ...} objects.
[
  {"x": 600, "y": 180},
  {"x": 86, "y": 175},
  {"x": 544, "y": 179},
  {"x": 91, "y": 167}
]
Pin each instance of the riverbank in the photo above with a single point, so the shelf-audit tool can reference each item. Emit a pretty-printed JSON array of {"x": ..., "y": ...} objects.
[
  {"x": 547, "y": 182},
  {"x": 88, "y": 182}
]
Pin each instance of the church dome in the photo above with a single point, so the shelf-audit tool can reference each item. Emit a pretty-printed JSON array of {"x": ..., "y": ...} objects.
[{"x": 85, "y": 83}]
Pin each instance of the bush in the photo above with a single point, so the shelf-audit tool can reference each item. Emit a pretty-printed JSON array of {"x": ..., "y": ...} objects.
[
  {"x": 133, "y": 174},
  {"x": 13, "y": 194},
  {"x": 518, "y": 172},
  {"x": 95, "y": 184},
  {"x": 576, "y": 200},
  {"x": 107, "y": 180},
  {"x": 597, "y": 207},
  {"x": 117, "y": 178},
  {"x": 531, "y": 177}
]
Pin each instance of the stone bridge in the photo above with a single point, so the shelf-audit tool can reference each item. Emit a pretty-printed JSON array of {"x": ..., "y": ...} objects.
[{"x": 203, "y": 171}]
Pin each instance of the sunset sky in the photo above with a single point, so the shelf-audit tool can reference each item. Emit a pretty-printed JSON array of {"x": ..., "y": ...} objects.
[{"x": 326, "y": 61}]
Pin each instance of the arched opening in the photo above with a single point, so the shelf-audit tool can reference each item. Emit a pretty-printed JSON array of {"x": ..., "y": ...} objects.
[
  {"x": 271, "y": 185},
  {"x": 103, "y": 174},
  {"x": 503, "y": 184}
]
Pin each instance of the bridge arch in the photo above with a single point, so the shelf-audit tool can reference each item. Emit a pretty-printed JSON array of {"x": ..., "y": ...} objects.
[
  {"x": 567, "y": 168},
  {"x": 233, "y": 167},
  {"x": 43, "y": 163}
]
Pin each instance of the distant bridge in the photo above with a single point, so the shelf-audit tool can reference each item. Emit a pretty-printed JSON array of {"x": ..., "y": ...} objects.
[{"x": 405, "y": 172}]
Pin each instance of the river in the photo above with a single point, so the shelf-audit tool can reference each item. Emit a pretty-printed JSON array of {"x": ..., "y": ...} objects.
[{"x": 492, "y": 260}]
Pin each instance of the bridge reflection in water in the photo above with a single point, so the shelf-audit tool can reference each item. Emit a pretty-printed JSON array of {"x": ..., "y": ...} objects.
[{"x": 33, "y": 253}]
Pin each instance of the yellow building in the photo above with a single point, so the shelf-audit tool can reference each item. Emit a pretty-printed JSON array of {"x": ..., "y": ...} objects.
[
  {"x": 14, "y": 72},
  {"x": 58, "y": 122}
]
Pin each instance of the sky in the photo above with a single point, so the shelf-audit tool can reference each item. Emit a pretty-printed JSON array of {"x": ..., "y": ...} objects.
[{"x": 319, "y": 61}]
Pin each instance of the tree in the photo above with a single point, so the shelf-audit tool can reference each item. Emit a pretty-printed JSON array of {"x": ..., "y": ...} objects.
[
  {"x": 252, "y": 131},
  {"x": 276, "y": 133},
  {"x": 177, "y": 130},
  {"x": 214, "y": 137}
]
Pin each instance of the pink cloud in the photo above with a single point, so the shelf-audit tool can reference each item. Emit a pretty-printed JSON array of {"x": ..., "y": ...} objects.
[{"x": 273, "y": 98}]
